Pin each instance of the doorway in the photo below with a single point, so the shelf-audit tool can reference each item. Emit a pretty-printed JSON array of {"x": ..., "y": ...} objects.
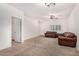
[{"x": 16, "y": 29}]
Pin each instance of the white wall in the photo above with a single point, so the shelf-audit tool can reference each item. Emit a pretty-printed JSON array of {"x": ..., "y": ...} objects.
[
  {"x": 74, "y": 22},
  {"x": 30, "y": 27},
  {"x": 6, "y": 12}
]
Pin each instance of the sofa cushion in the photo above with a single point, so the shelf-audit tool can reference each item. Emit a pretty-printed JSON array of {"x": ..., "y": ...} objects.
[
  {"x": 51, "y": 32},
  {"x": 69, "y": 34}
]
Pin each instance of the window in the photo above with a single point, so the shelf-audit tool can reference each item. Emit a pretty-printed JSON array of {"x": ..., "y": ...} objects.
[{"x": 55, "y": 27}]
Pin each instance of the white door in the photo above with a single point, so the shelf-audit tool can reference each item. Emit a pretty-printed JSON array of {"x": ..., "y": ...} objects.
[{"x": 16, "y": 29}]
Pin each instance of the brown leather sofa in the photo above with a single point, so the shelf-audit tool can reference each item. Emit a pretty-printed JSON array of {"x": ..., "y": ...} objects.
[
  {"x": 51, "y": 34},
  {"x": 67, "y": 39}
]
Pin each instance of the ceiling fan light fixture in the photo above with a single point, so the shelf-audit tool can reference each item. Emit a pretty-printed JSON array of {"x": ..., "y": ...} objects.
[{"x": 53, "y": 17}]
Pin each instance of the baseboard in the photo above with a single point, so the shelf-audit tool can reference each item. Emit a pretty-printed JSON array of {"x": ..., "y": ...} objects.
[
  {"x": 32, "y": 37},
  {"x": 5, "y": 47}
]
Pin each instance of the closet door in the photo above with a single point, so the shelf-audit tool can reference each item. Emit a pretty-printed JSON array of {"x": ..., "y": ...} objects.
[{"x": 16, "y": 29}]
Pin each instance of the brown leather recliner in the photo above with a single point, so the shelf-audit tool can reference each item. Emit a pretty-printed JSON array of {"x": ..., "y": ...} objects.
[
  {"x": 51, "y": 34},
  {"x": 67, "y": 39}
]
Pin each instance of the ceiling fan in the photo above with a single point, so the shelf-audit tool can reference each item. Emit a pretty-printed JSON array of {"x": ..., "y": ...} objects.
[{"x": 53, "y": 17}]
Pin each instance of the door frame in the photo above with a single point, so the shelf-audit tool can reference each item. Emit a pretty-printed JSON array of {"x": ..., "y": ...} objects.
[{"x": 20, "y": 27}]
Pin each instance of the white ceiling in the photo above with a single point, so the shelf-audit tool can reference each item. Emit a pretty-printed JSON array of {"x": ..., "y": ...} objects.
[{"x": 39, "y": 10}]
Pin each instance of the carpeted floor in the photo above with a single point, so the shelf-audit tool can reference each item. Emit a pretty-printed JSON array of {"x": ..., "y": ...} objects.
[{"x": 39, "y": 46}]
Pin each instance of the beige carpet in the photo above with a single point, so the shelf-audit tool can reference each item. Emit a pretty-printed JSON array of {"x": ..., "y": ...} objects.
[{"x": 40, "y": 46}]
